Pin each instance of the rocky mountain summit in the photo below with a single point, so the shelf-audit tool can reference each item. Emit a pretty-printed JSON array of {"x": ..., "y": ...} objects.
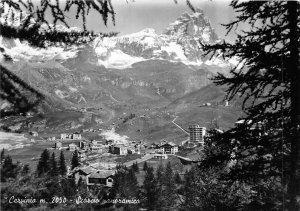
[
  {"x": 179, "y": 43},
  {"x": 193, "y": 25}
]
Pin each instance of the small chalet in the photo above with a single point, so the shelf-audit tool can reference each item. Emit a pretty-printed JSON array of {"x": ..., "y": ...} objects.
[
  {"x": 82, "y": 173},
  {"x": 96, "y": 146},
  {"x": 72, "y": 147},
  {"x": 76, "y": 136},
  {"x": 169, "y": 148},
  {"x": 91, "y": 176},
  {"x": 64, "y": 136},
  {"x": 101, "y": 177},
  {"x": 51, "y": 138},
  {"x": 83, "y": 145}
]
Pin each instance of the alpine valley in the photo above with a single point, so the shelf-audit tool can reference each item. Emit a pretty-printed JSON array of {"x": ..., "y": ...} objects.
[{"x": 137, "y": 83}]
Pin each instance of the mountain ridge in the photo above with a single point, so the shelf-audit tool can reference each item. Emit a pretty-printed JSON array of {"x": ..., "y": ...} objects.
[{"x": 180, "y": 42}]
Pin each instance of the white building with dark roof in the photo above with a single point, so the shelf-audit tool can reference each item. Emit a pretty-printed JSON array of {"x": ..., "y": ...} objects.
[
  {"x": 101, "y": 177},
  {"x": 91, "y": 176},
  {"x": 72, "y": 147},
  {"x": 76, "y": 136},
  {"x": 169, "y": 148}
]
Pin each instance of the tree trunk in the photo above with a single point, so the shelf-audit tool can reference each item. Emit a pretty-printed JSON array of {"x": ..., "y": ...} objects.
[{"x": 293, "y": 69}]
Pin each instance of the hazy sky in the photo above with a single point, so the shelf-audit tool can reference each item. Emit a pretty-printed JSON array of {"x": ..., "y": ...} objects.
[{"x": 133, "y": 16}]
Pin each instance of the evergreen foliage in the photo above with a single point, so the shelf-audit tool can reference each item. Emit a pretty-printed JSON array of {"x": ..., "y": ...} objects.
[
  {"x": 38, "y": 188},
  {"x": 62, "y": 164},
  {"x": 119, "y": 179},
  {"x": 69, "y": 187},
  {"x": 133, "y": 187},
  {"x": 75, "y": 160},
  {"x": 53, "y": 164},
  {"x": 125, "y": 186},
  {"x": 205, "y": 189},
  {"x": 169, "y": 190},
  {"x": 145, "y": 166},
  {"x": 39, "y": 29},
  {"x": 125, "y": 183},
  {"x": 160, "y": 174},
  {"x": 25, "y": 169},
  {"x": 44, "y": 165},
  {"x": 177, "y": 178},
  {"x": 266, "y": 147},
  {"x": 135, "y": 167},
  {"x": 2, "y": 155},
  {"x": 160, "y": 183},
  {"x": 150, "y": 190},
  {"x": 8, "y": 169}
]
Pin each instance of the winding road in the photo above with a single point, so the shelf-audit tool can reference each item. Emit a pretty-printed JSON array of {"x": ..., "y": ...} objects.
[
  {"x": 179, "y": 126},
  {"x": 140, "y": 160}
]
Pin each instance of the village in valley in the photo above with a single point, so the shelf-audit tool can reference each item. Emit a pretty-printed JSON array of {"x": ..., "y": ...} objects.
[
  {"x": 101, "y": 150},
  {"x": 99, "y": 157}
]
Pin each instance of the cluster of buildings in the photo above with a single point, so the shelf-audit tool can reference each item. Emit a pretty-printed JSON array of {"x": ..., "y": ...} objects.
[
  {"x": 99, "y": 146},
  {"x": 91, "y": 175},
  {"x": 84, "y": 146},
  {"x": 63, "y": 136},
  {"x": 104, "y": 175},
  {"x": 74, "y": 136},
  {"x": 164, "y": 148}
]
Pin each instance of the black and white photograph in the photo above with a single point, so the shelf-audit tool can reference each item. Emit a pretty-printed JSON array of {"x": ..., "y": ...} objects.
[{"x": 150, "y": 105}]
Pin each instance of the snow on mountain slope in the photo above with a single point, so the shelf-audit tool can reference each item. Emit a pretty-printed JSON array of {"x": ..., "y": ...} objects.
[
  {"x": 119, "y": 60},
  {"x": 22, "y": 50},
  {"x": 179, "y": 43}
]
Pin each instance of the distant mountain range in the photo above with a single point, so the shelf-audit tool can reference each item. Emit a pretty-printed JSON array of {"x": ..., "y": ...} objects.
[
  {"x": 179, "y": 43},
  {"x": 143, "y": 73}
]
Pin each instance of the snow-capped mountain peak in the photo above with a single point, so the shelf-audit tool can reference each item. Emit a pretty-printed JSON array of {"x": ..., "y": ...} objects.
[
  {"x": 178, "y": 43},
  {"x": 192, "y": 25},
  {"x": 144, "y": 32}
]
